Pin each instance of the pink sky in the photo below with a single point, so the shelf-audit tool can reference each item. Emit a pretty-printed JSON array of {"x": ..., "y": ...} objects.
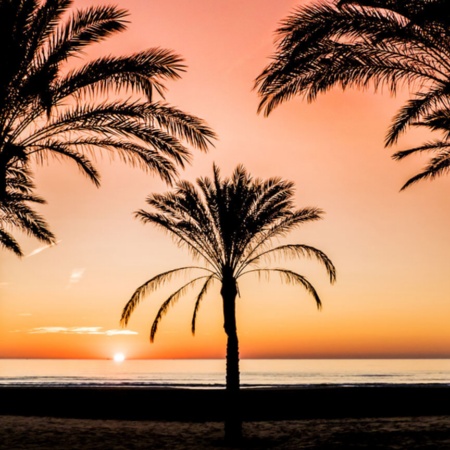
[{"x": 390, "y": 249}]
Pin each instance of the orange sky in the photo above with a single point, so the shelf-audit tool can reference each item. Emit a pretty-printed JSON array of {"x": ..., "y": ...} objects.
[{"x": 391, "y": 249}]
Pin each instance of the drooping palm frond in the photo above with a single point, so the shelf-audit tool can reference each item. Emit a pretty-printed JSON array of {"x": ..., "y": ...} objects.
[
  {"x": 202, "y": 294},
  {"x": 278, "y": 228},
  {"x": 147, "y": 135},
  {"x": 8, "y": 242},
  {"x": 16, "y": 213},
  {"x": 173, "y": 298},
  {"x": 290, "y": 277},
  {"x": 62, "y": 150},
  {"x": 415, "y": 109},
  {"x": 437, "y": 166},
  {"x": 142, "y": 72},
  {"x": 430, "y": 146},
  {"x": 150, "y": 286},
  {"x": 439, "y": 163},
  {"x": 295, "y": 251}
]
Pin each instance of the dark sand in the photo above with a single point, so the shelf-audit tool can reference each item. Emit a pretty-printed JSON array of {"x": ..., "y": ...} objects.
[{"x": 401, "y": 417}]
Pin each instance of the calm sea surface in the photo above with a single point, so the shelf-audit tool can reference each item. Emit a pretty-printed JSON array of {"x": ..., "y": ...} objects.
[{"x": 210, "y": 373}]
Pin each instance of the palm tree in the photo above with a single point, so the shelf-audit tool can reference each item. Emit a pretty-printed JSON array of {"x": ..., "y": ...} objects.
[
  {"x": 229, "y": 224},
  {"x": 15, "y": 212},
  {"x": 358, "y": 43},
  {"x": 49, "y": 107}
]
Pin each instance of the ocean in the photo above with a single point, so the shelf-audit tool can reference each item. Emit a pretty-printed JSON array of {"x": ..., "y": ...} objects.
[{"x": 210, "y": 373}]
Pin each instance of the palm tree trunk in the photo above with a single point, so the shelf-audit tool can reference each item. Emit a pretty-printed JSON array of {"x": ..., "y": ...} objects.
[{"x": 233, "y": 421}]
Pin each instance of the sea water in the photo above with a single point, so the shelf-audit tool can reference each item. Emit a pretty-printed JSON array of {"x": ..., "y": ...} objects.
[{"x": 211, "y": 373}]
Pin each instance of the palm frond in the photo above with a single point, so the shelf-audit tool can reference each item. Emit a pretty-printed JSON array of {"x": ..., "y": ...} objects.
[
  {"x": 133, "y": 125},
  {"x": 62, "y": 149},
  {"x": 141, "y": 72},
  {"x": 28, "y": 221},
  {"x": 430, "y": 146},
  {"x": 296, "y": 251},
  {"x": 439, "y": 165},
  {"x": 148, "y": 287},
  {"x": 84, "y": 27},
  {"x": 8, "y": 242},
  {"x": 200, "y": 297},
  {"x": 169, "y": 302},
  {"x": 290, "y": 277},
  {"x": 185, "y": 215},
  {"x": 16, "y": 213},
  {"x": 277, "y": 228},
  {"x": 414, "y": 108}
]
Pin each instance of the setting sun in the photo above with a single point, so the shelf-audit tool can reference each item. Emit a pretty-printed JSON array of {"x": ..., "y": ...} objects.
[{"x": 119, "y": 357}]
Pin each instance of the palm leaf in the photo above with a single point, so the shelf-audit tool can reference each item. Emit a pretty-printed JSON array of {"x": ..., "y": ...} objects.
[
  {"x": 439, "y": 165},
  {"x": 200, "y": 297},
  {"x": 169, "y": 302},
  {"x": 148, "y": 287},
  {"x": 296, "y": 251},
  {"x": 8, "y": 242},
  {"x": 290, "y": 277}
]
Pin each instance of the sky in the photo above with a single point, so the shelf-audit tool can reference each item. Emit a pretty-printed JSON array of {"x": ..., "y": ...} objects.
[{"x": 390, "y": 248}]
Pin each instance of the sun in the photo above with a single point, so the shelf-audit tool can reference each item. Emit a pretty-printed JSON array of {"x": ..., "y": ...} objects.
[{"x": 119, "y": 357}]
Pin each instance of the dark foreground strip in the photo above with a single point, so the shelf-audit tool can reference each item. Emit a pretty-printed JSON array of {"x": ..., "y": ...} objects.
[{"x": 208, "y": 405}]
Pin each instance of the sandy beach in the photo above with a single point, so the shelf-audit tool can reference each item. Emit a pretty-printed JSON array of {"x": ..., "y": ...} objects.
[
  {"x": 322, "y": 418},
  {"x": 426, "y": 432}
]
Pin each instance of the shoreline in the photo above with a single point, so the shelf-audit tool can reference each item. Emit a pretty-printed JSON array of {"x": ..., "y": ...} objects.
[{"x": 201, "y": 405}]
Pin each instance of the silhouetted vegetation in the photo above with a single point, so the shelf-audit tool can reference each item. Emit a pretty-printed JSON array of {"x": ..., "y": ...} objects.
[
  {"x": 51, "y": 108},
  {"x": 16, "y": 213},
  {"x": 229, "y": 225},
  {"x": 369, "y": 43}
]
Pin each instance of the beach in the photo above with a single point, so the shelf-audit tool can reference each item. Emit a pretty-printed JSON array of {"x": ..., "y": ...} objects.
[
  {"x": 319, "y": 418},
  {"x": 423, "y": 432}
]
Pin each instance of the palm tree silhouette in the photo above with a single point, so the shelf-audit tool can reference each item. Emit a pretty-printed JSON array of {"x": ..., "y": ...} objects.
[
  {"x": 51, "y": 108},
  {"x": 362, "y": 43},
  {"x": 16, "y": 213},
  {"x": 229, "y": 224}
]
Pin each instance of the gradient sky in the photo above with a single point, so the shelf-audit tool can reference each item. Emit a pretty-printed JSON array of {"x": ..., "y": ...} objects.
[{"x": 391, "y": 249}]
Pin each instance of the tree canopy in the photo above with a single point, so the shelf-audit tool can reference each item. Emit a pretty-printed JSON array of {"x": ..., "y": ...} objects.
[
  {"x": 51, "y": 106},
  {"x": 363, "y": 44}
]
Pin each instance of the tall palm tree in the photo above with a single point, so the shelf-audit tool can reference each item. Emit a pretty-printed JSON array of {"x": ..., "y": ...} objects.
[
  {"x": 361, "y": 43},
  {"x": 16, "y": 213},
  {"x": 229, "y": 224},
  {"x": 49, "y": 107}
]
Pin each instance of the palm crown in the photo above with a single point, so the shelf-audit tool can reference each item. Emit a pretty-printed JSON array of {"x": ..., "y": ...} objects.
[
  {"x": 230, "y": 225},
  {"x": 362, "y": 43},
  {"x": 49, "y": 107}
]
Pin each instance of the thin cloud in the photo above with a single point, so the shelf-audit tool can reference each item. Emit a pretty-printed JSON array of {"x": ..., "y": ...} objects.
[
  {"x": 41, "y": 249},
  {"x": 79, "y": 330},
  {"x": 76, "y": 276},
  {"x": 115, "y": 332},
  {"x": 48, "y": 330}
]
